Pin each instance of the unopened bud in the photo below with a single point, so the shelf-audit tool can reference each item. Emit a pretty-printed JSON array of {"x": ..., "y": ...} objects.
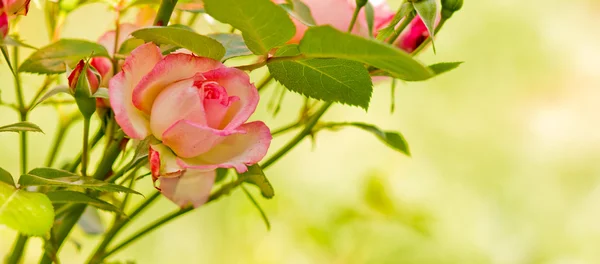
[
  {"x": 361, "y": 3},
  {"x": 83, "y": 86},
  {"x": 74, "y": 78},
  {"x": 450, "y": 6},
  {"x": 3, "y": 25}
]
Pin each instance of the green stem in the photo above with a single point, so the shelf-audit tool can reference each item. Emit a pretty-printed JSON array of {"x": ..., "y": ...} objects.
[
  {"x": 305, "y": 132},
  {"x": 93, "y": 142},
  {"x": 264, "y": 82},
  {"x": 17, "y": 251},
  {"x": 401, "y": 27},
  {"x": 164, "y": 12},
  {"x": 84, "y": 150},
  {"x": 254, "y": 66},
  {"x": 286, "y": 128},
  {"x": 354, "y": 17},
  {"x": 59, "y": 138}
]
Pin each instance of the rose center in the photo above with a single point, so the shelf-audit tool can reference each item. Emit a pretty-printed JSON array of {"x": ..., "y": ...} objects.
[{"x": 214, "y": 91}]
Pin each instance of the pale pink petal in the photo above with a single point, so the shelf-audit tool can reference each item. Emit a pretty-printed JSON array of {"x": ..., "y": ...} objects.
[
  {"x": 236, "y": 151},
  {"x": 193, "y": 187},
  {"x": 188, "y": 140},
  {"x": 104, "y": 67},
  {"x": 178, "y": 101},
  {"x": 108, "y": 39},
  {"x": 172, "y": 68},
  {"x": 133, "y": 122},
  {"x": 163, "y": 161},
  {"x": 237, "y": 83}
]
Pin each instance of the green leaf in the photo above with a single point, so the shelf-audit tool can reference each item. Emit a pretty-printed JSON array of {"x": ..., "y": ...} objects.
[
  {"x": 21, "y": 127},
  {"x": 403, "y": 11},
  {"x": 256, "y": 176},
  {"x": 196, "y": 43},
  {"x": 51, "y": 59},
  {"x": 443, "y": 67},
  {"x": 221, "y": 174},
  {"x": 427, "y": 10},
  {"x": 54, "y": 91},
  {"x": 234, "y": 45},
  {"x": 29, "y": 213},
  {"x": 394, "y": 140},
  {"x": 129, "y": 45},
  {"x": 263, "y": 24},
  {"x": 61, "y": 178},
  {"x": 325, "y": 41},
  {"x": 370, "y": 16},
  {"x": 336, "y": 80},
  {"x": 5, "y": 177},
  {"x": 10, "y": 41},
  {"x": 71, "y": 197},
  {"x": 300, "y": 11}
]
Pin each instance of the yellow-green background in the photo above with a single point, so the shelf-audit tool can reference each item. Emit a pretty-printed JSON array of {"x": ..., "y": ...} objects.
[{"x": 505, "y": 165}]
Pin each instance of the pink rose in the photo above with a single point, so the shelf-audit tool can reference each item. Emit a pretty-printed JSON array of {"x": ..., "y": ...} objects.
[
  {"x": 8, "y": 9},
  {"x": 197, "y": 110},
  {"x": 338, "y": 13},
  {"x": 104, "y": 65}
]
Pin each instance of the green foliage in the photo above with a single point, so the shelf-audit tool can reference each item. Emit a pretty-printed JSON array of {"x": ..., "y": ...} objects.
[
  {"x": 72, "y": 197},
  {"x": 11, "y": 41},
  {"x": 370, "y": 16},
  {"x": 257, "y": 206},
  {"x": 300, "y": 11},
  {"x": 444, "y": 67},
  {"x": 403, "y": 11},
  {"x": 325, "y": 41},
  {"x": 129, "y": 45},
  {"x": 263, "y": 24},
  {"x": 234, "y": 45},
  {"x": 21, "y": 127},
  {"x": 183, "y": 38},
  {"x": 427, "y": 10},
  {"x": 60, "y": 178},
  {"x": 51, "y": 59},
  {"x": 394, "y": 140},
  {"x": 29, "y": 213},
  {"x": 54, "y": 91},
  {"x": 5, "y": 177},
  {"x": 90, "y": 222},
  {"x": 83, "y": 93},
  {"x": 256, "y": 176}
]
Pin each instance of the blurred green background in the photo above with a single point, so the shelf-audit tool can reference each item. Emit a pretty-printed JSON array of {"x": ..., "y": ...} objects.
[{"x": 505, "y": 165}]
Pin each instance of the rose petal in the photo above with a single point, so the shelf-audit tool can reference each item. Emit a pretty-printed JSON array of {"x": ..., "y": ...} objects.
[
  {"x": 193, "y": 187},
  {"x": 133, "y": 122},
  {"x": 236, "y": 151},
  {"x": 3, "y": 25},
  {"x": 237, "y": 83},
  {"x": 178, "y": 101},
  {"x": 163, "y": 162},
  {"x": 172, "y": 68},
  {"x": 189, "y": 140}
]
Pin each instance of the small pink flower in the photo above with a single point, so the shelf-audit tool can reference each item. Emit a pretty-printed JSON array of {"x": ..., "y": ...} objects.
[
  {"x": 197, "y": 108},
  {"x": 104, "y": 65},
  {"x": 3, "y": 25}
]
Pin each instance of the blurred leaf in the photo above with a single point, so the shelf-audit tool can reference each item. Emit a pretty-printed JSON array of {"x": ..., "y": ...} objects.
[
  {"x": 101, "y": 93},
  {"x": 51, "y": 59},
  {"x": 90, "y": 222},
  {"x": 394, "y": 140},
  {"x": 10, "y": 41},
  {"x": 443, "y": 67},
  {"x": 129, "y": 45},
  {"x": 60, "y": 178},
  {"x": 54, "y": 91},
  {"x": 263, "y": 24},
  {"x": 377, "y": 196},
  {"x": 234, "y": 44},
  {"x": 5, "y": 177},
  {"x": 256, "y": 176},
  {"x": 21, "y": 127},
  {"x": 300, "y": 11},
  {"x": 427, "y": 10},
  {"x": 325, "y": 41},
  {"x": 336, "y": 80},
  {"x": 263, "y": 215},
  {"x": 196, "y": 43},
  {"x": 71, "y": 197},
  {"x": 221, "y": 174},
  {"x": 27, "y": 212},
  {"x": 370, "y": 16}
]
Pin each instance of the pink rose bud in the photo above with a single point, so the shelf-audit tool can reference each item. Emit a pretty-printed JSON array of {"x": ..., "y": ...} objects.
[
  {"x": 74, "y": 78},
  {"x": 17, "y": 7},
  {"x": 413, "y": 36},
  {"x": 198, "y": 109},
  {"x": 3, "y": 25}
]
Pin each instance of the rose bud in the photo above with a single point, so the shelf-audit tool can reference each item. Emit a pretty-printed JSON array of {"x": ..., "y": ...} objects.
[
  {"x": 450, "y": 6},
  {"x": 413, "y": 36},
  {"x": 197, "y": 109},
  {"x": 3, "y": 25},
  {"x": 83, "y": 86}
]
